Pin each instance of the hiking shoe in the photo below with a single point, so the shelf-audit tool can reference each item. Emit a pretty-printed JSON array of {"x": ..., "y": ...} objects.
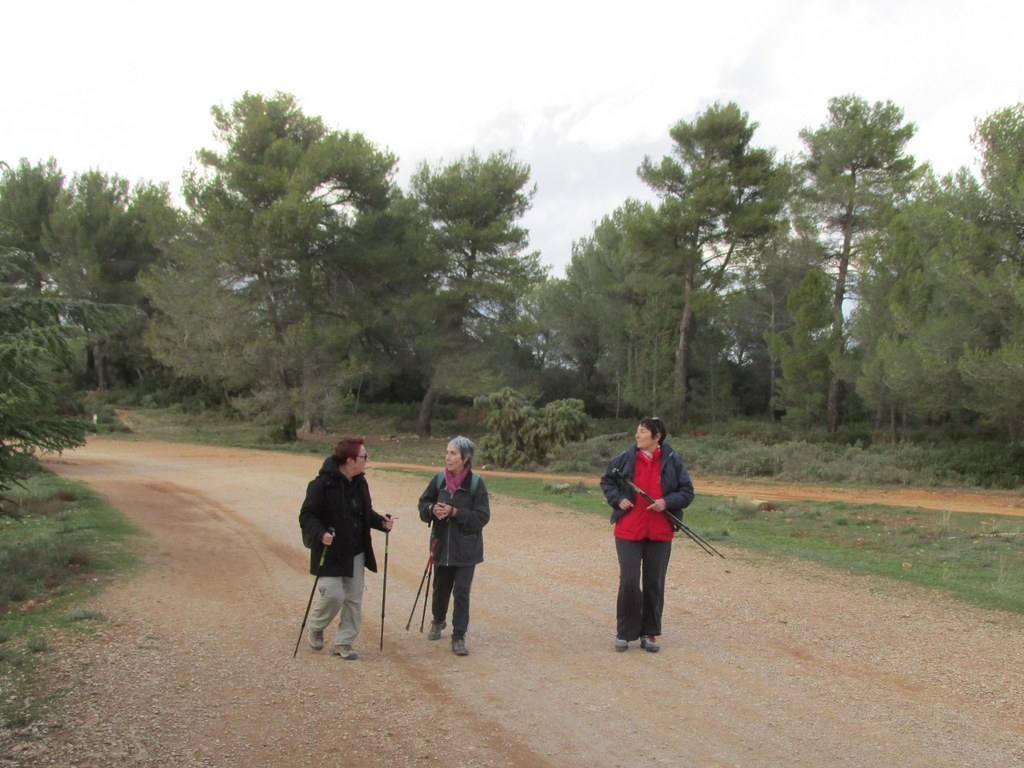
[
  {"x": 315, "y": 638},
  {"x": 621, "y": 645},
  {"x": 435, "y": 630},
  {"x": 650, "y": 644},
  {"x": 459, "y": 646},
  {"x": 345, "y": 651}
]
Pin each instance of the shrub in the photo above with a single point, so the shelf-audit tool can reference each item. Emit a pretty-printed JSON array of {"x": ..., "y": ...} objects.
[{"x": 519, "y": 435}]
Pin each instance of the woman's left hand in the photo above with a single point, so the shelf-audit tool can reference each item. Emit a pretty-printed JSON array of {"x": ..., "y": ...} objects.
[{"x": 658, "y": 506}]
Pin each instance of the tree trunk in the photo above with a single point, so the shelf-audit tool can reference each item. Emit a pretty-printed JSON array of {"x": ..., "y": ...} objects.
[
  {"x": 772, "y": 365},
  {"x": 314, "y": 424},
  {"x": 102, "y": 367},
  {"x": 290, "y": 422},
  {"x": 427, "y": 409},
  {"x": 683, "y": 353},
  {"x": 290, "y": 430},
  {"x": 835, "y": 388},
  {"x": 90, "y": 364}
]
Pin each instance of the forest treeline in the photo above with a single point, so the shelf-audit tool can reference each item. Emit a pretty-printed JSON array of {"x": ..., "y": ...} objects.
[{"x": 845, "y": 285}]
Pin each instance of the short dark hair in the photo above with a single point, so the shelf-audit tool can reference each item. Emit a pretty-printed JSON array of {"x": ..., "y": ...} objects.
[
  {"x": 348, "y": 448},
  {"x": 655, "y": 426}
]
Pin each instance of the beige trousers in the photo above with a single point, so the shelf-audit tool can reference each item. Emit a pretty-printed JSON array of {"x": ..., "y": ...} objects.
[{"x": 342, "y": 594}]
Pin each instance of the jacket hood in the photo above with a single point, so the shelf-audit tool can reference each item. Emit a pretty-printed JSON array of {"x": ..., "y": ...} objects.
[{"x": 330, "y": 469}]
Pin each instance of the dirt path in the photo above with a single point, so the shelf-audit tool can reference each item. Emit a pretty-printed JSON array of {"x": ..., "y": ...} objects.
[{"x": 763, "y": 665}]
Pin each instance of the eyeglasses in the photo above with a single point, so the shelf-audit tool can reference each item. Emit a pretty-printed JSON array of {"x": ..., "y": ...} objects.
[{"x": 363, "y": 456}]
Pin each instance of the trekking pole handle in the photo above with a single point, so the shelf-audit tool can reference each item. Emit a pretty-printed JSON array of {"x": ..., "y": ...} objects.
[
  {"x": 323, "y": 553},
  {"x": 618, "y": 473}
]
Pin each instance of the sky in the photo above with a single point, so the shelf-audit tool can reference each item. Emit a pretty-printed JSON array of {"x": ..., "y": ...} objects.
[{"x": 579, "y": 91}]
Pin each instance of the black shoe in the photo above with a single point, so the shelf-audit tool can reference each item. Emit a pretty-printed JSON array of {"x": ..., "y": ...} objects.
[
  {"x": 459, "y": 646},
  {"x": 435, "y": 630},
  {"x": 650, "y": 643}
]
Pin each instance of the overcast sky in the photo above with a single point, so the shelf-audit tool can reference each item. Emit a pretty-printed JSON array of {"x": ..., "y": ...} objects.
[{"x": 581, "y": 91}]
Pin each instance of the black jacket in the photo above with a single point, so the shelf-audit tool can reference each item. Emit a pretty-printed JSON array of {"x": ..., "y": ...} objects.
[
  {"x": 334, "y": 501},
  {"x": 458, "y": 540}
]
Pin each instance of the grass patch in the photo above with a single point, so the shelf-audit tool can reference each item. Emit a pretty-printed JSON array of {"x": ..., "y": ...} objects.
[
  {"x": 57, "y": 547},
  {"x": 977, "y": 558},
  {"x": 386, "y": 441}
]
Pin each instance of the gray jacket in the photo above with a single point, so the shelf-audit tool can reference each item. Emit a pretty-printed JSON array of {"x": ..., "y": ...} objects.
[{"x": 458, "y": 540}]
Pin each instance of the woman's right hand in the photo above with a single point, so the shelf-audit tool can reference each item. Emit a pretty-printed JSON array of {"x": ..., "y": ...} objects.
[{"x": 442, "y": 511}]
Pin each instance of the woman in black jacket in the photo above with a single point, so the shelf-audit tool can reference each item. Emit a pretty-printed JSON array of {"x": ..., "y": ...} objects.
[
  {"x": 456, "y": 506},
  {"x": 338, "y": 514}
]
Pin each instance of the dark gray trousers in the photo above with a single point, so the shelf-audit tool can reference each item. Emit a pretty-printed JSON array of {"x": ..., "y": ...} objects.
[
  {"x": 449, "y": 580},
  {"x": 643, "y": 566}
]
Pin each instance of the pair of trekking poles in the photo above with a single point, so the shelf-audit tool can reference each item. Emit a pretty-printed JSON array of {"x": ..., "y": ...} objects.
[
  {"x": 676, "y": 521},
  {"x": 383, "y": 596},
  {"x": 384, "y": 592}
]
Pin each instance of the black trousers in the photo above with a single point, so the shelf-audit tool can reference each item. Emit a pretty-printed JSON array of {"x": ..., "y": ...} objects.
[
  {"x": 643, "y": 566},
  {"x": 449, "y": 580}
]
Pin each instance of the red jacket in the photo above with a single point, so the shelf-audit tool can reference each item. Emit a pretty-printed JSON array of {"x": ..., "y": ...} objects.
[
  {"x": 642, "y": 523},
  {"x": 663, "y": 477}
]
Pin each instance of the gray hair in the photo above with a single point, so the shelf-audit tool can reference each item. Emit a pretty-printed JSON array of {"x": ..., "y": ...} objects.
[{"x": 466, "y": 448}]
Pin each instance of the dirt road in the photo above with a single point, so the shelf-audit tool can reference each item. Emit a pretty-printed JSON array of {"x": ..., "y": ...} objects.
[{"x": 762, "y": 664}]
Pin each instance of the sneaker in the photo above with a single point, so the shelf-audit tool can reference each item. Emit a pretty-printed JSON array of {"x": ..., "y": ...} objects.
[
  {"x": 315, "y": 638},
  {"x": 621, "y": 645},
  {"x": 459, "y": 646},
  {"x": 435, "y": 630},
  {"x": 650, "y": 644},
  {"x": 345, "y": 651}
]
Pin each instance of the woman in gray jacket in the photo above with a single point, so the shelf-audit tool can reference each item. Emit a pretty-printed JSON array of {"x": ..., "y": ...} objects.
[{"x": 456, "y": 506}]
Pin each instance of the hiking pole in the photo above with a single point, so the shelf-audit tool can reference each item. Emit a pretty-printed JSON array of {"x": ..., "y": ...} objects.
[
  {"x": 693, "y": 535},
  {"x": 426, "y": 595},
  {"x": 305, "y": 616},
  {"x": 426, "y": 573},
  {"x": 384, "y": 592}
]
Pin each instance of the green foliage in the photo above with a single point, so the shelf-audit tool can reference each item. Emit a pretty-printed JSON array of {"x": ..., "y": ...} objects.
[
  {"x": 977, "y": 558},
  {"x": 803, "y": 352},
  {"x": 481, "y": 278},
  {"x": 301, "y": 283},
  {"x": 266, "y": 290},
  {"x": 37, "y": 338},
  {"x": 857, "y": 175},
  {"x": 521, "y": 435},
  {"x": 28, "y": 199},
  {"x": 52, "y": 558},
  {"x": 720, "y": 200}
]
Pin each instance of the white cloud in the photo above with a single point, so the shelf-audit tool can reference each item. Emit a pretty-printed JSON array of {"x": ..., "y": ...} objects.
[{"x": 580, "y": 90}]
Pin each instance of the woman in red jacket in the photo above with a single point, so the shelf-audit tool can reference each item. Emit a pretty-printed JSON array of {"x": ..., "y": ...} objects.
[{"x": 643, "y": 531}]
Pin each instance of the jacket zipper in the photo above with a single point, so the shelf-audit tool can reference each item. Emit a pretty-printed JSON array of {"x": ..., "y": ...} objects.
[{"x": 448, "y": 535}]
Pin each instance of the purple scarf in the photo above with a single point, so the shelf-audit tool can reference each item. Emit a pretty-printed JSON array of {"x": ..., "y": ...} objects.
[{"x": 453, "y": 481}]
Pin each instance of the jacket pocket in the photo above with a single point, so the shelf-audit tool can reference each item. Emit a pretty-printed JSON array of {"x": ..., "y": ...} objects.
[{"x": 465, "y": 548}]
